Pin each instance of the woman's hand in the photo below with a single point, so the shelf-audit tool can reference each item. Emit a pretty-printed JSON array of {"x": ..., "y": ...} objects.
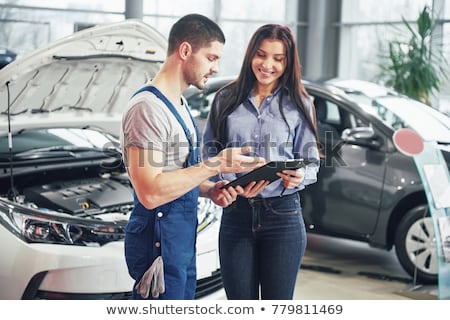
[{"x": 292, "y": 178}]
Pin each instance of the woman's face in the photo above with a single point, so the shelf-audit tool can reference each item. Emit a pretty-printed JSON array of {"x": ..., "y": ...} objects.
[{"x": 269, "y": 62}]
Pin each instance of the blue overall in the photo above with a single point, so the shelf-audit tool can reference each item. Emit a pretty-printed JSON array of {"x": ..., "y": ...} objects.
[{"x": 169, "y": 230}]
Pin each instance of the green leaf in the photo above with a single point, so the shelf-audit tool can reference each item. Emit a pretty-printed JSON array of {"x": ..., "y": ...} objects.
[{"x": 414, "y": 67}]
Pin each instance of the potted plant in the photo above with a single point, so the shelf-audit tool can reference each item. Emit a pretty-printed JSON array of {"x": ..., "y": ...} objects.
[{"x": 414, "y": 67}]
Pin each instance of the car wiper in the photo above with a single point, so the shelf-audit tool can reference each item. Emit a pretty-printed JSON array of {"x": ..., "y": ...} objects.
[
  {"x": 41, "y": 110},
  {"x": 58, "y": 151},
  {"x": 13, "y": 113}
]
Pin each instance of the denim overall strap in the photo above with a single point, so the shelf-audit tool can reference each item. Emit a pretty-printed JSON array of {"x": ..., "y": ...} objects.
[
  {"x": 168, "y": 230},
  {"x": 193, "y": 151}
]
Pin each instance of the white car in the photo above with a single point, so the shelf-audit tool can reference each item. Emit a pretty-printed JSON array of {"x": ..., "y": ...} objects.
[{"x": 64, "y": 195}]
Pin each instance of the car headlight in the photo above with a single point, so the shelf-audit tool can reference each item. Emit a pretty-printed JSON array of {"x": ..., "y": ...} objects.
[
  {"x": 208, "y": 213},
  {"x": 37, "y": 226}
]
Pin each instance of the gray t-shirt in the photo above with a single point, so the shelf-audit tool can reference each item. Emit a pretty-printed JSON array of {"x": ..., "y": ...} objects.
[{"x": 149, "y": 124}]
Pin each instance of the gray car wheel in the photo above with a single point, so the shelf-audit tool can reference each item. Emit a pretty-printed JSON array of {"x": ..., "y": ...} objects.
[{"x": 415, "y": 245}]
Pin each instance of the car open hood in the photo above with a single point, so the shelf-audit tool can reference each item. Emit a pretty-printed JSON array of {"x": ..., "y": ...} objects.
[{"x": 87, "y": 77}]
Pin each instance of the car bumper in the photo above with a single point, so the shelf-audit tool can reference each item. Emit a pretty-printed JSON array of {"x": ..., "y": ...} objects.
[
  {"x": 38, "y": 270},
  {"x": 49, "y": 271}
]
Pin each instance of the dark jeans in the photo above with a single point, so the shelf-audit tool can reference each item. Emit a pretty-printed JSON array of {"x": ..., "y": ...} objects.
[{"x": 261, "y": 245}]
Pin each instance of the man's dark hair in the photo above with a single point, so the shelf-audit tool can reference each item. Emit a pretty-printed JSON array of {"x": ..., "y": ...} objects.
[{"x": 198, "y": 30}]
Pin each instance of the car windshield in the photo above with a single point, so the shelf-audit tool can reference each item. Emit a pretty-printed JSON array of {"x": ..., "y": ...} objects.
[
  {"x": 396, "y": 110},
  {"x": 56, "y": 139},
  {"x": 399, "y": 112}
]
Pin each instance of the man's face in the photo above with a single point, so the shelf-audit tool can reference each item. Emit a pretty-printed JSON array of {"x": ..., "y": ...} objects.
[{"x": 202, "y": 64}]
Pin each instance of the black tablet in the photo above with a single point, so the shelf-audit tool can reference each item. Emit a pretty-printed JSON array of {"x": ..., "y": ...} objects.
[{"x": 268, "y": 172}]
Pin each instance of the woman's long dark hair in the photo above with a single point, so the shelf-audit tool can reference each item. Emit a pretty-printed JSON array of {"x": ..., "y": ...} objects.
[{"x": 233, "y": 94}]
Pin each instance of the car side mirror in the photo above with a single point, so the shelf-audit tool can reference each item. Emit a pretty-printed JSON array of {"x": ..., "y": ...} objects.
[{"x": 363, "y": 136}]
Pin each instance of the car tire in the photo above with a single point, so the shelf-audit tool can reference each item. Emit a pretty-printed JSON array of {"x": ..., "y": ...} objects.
[{"x": 415, "y": 245}]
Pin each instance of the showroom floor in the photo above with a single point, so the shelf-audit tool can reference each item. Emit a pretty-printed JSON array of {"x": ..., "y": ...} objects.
[{"x": 338, "y": 269}]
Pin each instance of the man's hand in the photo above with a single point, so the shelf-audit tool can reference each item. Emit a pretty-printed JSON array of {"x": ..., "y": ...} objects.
[
  {"x": 252, "y": 189},
  {"x": 225, "y": 197},
  {"x": 222, "y": 197},
  {"x": 233, "y": 160}
]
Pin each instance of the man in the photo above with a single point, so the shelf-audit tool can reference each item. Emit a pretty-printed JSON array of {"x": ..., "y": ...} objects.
[{"x": 160, "y": 149}]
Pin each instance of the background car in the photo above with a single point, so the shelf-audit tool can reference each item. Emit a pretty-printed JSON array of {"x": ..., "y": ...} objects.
[
  {"x": 367, "y": 190},
  {"x": 65, "y": 197},
  {"x": 6, "y": 56}
]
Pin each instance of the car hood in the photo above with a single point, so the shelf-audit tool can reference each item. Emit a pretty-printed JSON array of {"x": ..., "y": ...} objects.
[{"x": 86, "y": 77}]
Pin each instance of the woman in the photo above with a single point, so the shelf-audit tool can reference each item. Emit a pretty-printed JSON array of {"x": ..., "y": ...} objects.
[{"x": 262, "y": 237}]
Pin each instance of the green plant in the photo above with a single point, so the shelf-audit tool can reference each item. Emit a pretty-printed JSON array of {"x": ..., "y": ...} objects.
[{"x": 412, "y": 67}]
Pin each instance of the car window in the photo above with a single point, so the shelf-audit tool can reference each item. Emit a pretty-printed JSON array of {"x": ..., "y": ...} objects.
[
  {"x": 328, "y": 118},
  {"x": 333, "y": 115},
  {"x": 201, "y": 102},
  {"x": 208, "y": 99},
  {"x": 356, "y": 121},
  {"x": 334, "y": 119}
]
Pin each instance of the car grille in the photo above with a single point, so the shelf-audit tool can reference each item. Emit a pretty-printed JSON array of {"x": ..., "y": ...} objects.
[
  {"x": 83, "y": 296},
  {"x": 205, "y": 286}
]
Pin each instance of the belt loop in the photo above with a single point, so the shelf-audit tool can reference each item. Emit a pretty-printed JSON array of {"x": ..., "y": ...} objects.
[{"x": 254, "y": 201}]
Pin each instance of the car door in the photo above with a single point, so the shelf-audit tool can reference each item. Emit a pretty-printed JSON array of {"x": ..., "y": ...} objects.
[{"x": 345, "y": 199}]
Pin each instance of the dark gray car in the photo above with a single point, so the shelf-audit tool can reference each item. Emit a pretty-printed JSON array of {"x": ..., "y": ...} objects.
[{"x": 366, "y": 190}]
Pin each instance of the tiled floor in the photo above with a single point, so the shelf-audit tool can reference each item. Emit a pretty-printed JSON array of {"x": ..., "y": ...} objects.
[
  {"x": 337, "y": 269},
  {"x": 348, "y": 270},
  {"x": 318, "y": 285}
]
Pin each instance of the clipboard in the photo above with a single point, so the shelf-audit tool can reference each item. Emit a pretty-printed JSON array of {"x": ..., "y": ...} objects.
[{"x": 268, "y": 172}]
